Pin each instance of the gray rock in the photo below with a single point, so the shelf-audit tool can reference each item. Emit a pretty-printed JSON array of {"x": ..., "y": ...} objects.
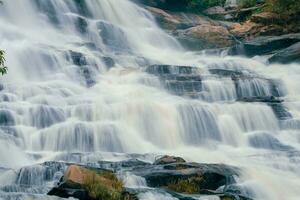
[
  {"x": 288, "y": 55},
  {"x": 265, "y": 45}
]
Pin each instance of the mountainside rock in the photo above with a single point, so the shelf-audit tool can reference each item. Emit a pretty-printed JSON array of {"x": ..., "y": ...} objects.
[
  {"x": 195, "y": 32},
  {"x": 265, "y": 45}
]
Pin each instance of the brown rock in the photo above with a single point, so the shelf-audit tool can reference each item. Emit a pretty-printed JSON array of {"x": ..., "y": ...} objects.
[
  {"x": 168, "y": 160},
  {"x": 74, "y": 174},
  {"x": 217, "y": 35}
]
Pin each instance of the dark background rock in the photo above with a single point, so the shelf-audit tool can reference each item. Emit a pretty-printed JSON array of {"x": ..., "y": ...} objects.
[{"x": 288, "y": 55}]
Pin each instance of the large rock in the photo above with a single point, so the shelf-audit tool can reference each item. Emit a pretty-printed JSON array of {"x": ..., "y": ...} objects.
[
  {"x": 288, "y": 55},
  {"x": 168, "y": 160},
  {"x": 265, "y": 45},
  {"x": 195, "y": 32},
  {"x": 90, "y": 184},
  {"x": 189, "y": 177},
  {"x": 71, "y": 185},
  {"x": 6, "y": 118},
  {"x": 267, "y": 141},
  {"x": 205, "y": 36}
]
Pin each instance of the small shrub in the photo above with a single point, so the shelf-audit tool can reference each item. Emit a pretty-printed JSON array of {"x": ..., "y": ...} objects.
[
  {"x": 247, "y": 3},
  {"x": 3, "y": 68},
  {"x": 103, "y": 186},
  {"x": 283, "y": 8}
]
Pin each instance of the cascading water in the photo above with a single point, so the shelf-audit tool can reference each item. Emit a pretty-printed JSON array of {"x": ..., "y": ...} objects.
[{"x": 79, "y": 90}]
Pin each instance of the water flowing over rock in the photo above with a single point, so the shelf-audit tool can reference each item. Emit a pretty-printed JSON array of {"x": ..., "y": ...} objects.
[{"x": 98, "y": 84}]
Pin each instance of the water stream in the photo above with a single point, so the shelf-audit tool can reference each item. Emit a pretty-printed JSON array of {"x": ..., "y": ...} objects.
[{"x": 78, "y": 91}]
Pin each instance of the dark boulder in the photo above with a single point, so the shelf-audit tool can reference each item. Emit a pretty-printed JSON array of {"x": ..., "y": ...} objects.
[
  {"x": 168, "y": 160},
  {"x": 77, "y": 58},
  {"x": 188, "y": 177},
  {"x": 165, "y": 4},
  {"x": 89, "y": 184},
  {"x": 108, "y": 61},
  {"x": 288, "y": 55},
  {"x": 113, "y": 37},
  {"x": 264, "y": 45},
  {"x": 6, "y": 118}
]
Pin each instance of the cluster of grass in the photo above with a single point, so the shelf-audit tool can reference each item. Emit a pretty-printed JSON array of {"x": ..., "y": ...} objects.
[
  {"x": 186, "y": 186},
  {"x": 103, "y": 185}
]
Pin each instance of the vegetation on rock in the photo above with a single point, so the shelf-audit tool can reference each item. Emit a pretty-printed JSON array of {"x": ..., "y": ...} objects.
[
  {"x": 103, "y": 185},
  {"x": 3, "y": 68}
]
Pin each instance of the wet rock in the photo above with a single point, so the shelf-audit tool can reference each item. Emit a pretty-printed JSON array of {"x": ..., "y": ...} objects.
[
  {"x": 168, "y": 160},
  {"x": 77, "y": 58},
  {"x": 108, "y": 61},
  {"x": 204, "y": 36},
  {"x": 89, "y": 75},
  {"x": 6, "y": 118},
  {"x": 45, "y": 116},
  {"x": 38, "y": 175},
  {"x": 292, "y": 124},
  {"x": 226, "y": 72},
  {"x": 89, "y": 184},
  {"x": 188, "y": 177},
  {"x": 194, "y": 32},
  {"x": 276, "y": 104},
  {"x": 266, "y": 99},
  {"x": 288, "y": 55},
  {"x": 250, "y": 84},
  {"x": 81, "y": 24},
  {"x": 265, "y": 45},
  {"x": 113, "y": 37},
  {"x": 180, "y": 80},
  {"x": 267, "y": 141}
]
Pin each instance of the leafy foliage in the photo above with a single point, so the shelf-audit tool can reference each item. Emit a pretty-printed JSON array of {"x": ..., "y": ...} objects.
[
  {"x": 284, "y": 8},
  {"x": 247, "y": 3},
  {"x": 198, "y": 5},
  {"x": 3, "y": 68}
]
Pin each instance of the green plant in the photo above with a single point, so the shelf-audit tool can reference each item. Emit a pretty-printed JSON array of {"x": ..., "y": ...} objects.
[
  {"x": 3, "y": 68},
  {"x": 284, "y": 8},
  {"x": 199, "y": 5},
  {"x": 247, "y": 3},
  {"x": 103, "y": 185}
]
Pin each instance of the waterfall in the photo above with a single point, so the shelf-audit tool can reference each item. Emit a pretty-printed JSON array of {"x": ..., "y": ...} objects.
[{"x": 79, "y": 90}]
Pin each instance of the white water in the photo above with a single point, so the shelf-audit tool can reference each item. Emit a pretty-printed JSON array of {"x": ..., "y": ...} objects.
[{"x": 56, "y": 108}]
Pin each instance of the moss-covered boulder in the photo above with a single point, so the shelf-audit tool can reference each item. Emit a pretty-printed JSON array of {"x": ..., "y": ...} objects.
[{"x": 90, "y": 184}]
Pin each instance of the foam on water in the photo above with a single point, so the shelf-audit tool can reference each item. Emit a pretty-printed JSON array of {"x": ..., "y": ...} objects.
[{"x": 61, "y": 100}]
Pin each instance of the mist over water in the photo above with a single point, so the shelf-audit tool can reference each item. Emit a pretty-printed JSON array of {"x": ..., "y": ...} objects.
[{"x": 78, "y": 91}]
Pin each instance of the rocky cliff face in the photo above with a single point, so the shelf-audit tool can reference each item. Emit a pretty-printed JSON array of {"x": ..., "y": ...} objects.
[{"x": 224, "y": 26}]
